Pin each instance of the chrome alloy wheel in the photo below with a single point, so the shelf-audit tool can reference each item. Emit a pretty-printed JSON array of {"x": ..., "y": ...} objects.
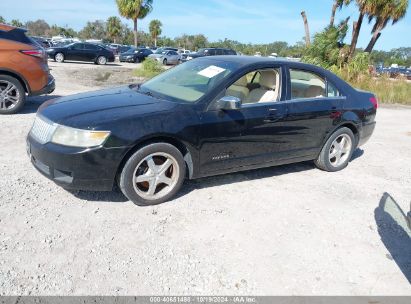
[
  {"x": 102, "y": 60},
  {"x": 9, "y": 95},
  {"x": 340, "y": 150},
  {"x": 59, "y": 57},
  {"x": 155, "y": 176}
]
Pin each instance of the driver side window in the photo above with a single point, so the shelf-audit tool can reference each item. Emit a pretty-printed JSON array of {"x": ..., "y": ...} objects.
[{"x": 257, "y": 86}]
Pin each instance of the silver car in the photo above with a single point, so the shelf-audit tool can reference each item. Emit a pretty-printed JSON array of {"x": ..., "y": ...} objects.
[{"x": 167, "y": 57}]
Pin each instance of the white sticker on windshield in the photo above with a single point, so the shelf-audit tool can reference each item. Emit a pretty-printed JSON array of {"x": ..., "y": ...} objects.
[{"x": 211, "y": 71}]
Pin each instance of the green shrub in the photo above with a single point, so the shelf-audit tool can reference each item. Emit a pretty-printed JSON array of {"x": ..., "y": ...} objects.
[{"x": 150, "y": 68}]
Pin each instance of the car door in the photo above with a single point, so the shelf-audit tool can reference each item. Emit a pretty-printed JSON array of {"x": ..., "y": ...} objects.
[
  {"x": 90, "y": 52},
  {"x": 174, "y": 56},
  {"x": 250, "y": 136},
  {"x": 313, "y": 106},
  {"x": 75, "y": 52}
]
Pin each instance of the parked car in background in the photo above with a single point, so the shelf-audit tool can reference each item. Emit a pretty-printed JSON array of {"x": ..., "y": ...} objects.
[
  {"x": 210, "y": 52},
  {"x": 166, "y": 57},
  {"x": 27, "y": 72},
  {"x": 135, "y": 55},
  {"x": 81, "y": 51},
  {"x": 209, "y": 116},
  {"x": 42, "y": 41}
]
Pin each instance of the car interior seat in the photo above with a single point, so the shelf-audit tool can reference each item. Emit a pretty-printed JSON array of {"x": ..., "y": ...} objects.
[
  {"x": 239, "y": 89},
  {"x": 268, "y": 90},
  {"x": 314, "y": 91}
]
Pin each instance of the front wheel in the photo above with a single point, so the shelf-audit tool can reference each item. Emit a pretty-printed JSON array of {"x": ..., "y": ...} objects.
[
  {"x": 12, "y": 95},
  {"x": 101, "y": 60},
  {"x": 165, "y": 61},
  {"x": 337, "y": 151},
  {"x": 153, "y": 175}
]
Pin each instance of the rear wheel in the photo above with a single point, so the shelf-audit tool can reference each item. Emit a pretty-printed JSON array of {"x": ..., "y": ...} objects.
[
  {"x": 153, "y": 175},
  {"x": 337, "y": 151},
  {"x": 59, "y": 57},
  {"x": 101, "y": 60},
  {"x": 12, "y": 95}
]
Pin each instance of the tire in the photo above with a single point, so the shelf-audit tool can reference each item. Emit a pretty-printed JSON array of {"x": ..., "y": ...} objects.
[
  {"x": 165, "y": 61},
  {"x": 101, "y": 60},
  {"x": 143, "y": 173},
  {"x": 14, "y": 100},
  {"x": 137, "y": 60},
  {"x": 59, "y": 57},
  {"x": 336, "y": 154}
]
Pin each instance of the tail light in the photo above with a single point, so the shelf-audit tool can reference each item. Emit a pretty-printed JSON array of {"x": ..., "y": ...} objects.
[
  {"x": 35, "y": 53},
  {"x": 374, "y": 101}
]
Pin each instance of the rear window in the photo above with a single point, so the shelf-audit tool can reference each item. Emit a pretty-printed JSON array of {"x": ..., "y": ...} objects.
[{"x": 17, "y": 35}]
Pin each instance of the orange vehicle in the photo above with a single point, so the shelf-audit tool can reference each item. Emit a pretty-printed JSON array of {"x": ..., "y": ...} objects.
[{"x": 23, "y": 69}]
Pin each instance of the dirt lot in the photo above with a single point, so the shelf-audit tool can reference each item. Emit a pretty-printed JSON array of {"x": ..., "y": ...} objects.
[{"x": 289, "y": 230}]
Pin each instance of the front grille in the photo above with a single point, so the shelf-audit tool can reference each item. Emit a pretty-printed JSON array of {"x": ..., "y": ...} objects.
[{"x": 42, "y": 130}]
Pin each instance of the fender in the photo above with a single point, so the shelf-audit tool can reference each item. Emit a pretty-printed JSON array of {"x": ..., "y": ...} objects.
[
  {"x": 18, "y": 76},
  {"x": 348, "y": 119}
]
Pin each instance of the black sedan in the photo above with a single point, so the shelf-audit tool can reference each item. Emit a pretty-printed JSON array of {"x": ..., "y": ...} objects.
[
  {"x": 81, "y": 51},
  {"x": 135, "y": 55},
  {"x": 209, "y": 116}
]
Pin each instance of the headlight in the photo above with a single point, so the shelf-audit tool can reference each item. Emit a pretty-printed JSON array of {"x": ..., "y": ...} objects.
[
  {"x": 78, "y": 138},
  {"x": 189, "y": 57}
]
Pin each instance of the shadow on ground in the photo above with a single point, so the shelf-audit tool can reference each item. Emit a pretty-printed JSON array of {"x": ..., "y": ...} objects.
[
  {"x": 212, "y": 181},
  {"x": 34, "y": 102},
  {"x": 395, "y": 232},
  {"x": 88, "y": 63}
]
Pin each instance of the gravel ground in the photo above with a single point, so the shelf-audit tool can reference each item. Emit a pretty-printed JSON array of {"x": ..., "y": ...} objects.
[{"x": 288, "y": 230}]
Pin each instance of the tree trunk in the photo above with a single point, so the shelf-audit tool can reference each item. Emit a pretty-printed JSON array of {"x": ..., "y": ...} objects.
[
  {"x": 355, "y": 34},
  {"x": 155, "y": 41},
  {"x": 307, "y": 30},
  {"x": 334, "y": 9},
  {"x": 135, "y": 32},
  {"x": 374, "y": 38}
]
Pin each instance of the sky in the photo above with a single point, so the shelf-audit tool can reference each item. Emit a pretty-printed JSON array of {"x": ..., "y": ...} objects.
[{"x": 257, "y": 21}]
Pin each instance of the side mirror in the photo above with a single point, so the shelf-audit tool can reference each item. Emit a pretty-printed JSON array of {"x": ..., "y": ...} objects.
[{"x": 229, "y": 103}]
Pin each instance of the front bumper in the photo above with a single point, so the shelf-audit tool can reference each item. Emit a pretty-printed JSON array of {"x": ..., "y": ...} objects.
[
  {"x": 76, "y": 168},
  {"x": 125, "y": 59},
  {"x": 48, "y": 89}
]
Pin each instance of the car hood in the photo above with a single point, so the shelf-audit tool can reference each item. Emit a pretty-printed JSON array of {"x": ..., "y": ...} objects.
[
  {"x": 93, "y": 109},
  {"x": 156, "y": 55}
]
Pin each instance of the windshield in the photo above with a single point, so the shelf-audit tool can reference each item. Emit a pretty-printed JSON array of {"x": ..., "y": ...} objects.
[
  {"x": 190, "y": 81},
  {"x": 159, "y": 51}
]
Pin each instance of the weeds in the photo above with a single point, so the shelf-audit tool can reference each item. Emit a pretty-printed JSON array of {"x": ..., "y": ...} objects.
[{"x": 151, "y": 68}]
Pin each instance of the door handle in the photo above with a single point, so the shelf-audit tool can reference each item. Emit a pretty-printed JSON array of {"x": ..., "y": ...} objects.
[{"x": 272, "y": 116}]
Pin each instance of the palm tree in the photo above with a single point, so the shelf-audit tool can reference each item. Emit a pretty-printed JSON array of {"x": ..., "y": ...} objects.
[
  {"x": 113, "y": 27},
  {"x": 337, "y": 4},
  {"x": 155, "y": 30},
  {"x": 366, "y": 7},
  {"x": 134, "y": 9},
  {"x": 386, "y": 11},
  {"x": 2, "y": 20},
  {"x": 306, "y": 29}
]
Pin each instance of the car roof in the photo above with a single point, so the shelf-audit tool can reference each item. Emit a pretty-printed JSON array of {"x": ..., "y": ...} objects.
[
  {"x": 6, "y": 27},
  {"x": 246, "y": 60}
]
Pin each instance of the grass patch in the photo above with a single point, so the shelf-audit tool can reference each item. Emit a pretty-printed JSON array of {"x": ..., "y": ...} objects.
[
  {"x": 150, "y": 68},
  {"x": 387, "y": 90}
]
